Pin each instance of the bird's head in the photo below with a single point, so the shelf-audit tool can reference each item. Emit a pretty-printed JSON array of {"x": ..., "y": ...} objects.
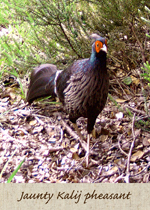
[{"x": 100, "y": 43}]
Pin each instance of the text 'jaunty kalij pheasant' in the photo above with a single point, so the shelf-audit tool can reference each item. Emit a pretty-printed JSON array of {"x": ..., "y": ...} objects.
[{"x": 82, "y": 88}]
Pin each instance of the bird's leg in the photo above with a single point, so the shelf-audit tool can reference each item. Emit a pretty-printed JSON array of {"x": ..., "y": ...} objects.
[
  {"x": 88, "y": 150},
  {"x": 81, "y": 139},
  {"x": 86, "y": 147}
]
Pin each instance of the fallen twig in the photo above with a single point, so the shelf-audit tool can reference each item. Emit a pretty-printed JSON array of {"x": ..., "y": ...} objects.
[
  {"x": 130, "y": 152},
  {"x": 136, "y": 110},
  {"x": 120, "y": 146}
]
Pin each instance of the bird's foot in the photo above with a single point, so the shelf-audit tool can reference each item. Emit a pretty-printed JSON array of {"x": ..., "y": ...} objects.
[
  {"x": 86, "y": 147},
  {"x": 81, "y": 139},
  {"x": 88, "y": 150},
  {"x": 94, "y": 133}
]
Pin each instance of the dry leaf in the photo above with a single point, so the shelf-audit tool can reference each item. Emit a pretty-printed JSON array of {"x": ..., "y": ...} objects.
[
  {"x": 2, "y": 109},
  {"x": 135, "y": 80},
  {"x": 146, "y": 142},
  {"x": 12, "y": 95},
  {"x": 137, "y": 155},
  {"x": 137, "y": 133},
  {"x": 33, "y": 122},
  {"x": 140, "y": 146},
  {"x": 119, "y": 100},
  {"x": 37, "y": 129},
  {"x": 112, "y": 171},
  {"x": 103, "y": 138},
  {"x": 75, "y": 156},
  {"x": 73, "y": 150}
]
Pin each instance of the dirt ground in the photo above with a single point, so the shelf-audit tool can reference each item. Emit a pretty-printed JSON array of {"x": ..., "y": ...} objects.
[{"x": 42, "y": 135}]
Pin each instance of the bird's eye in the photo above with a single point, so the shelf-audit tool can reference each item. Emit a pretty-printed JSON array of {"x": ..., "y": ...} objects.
[{"x": 98, "y": 46}]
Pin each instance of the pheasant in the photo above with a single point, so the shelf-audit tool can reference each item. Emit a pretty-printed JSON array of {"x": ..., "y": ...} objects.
[{"x": 82, "y": 87}]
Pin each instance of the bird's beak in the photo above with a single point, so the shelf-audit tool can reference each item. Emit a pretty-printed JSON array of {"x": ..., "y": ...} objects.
[{"x": 104, "y": 48}]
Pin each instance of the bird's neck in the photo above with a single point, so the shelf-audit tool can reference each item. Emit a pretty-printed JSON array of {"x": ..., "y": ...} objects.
[{"x": 98, "y": 62}]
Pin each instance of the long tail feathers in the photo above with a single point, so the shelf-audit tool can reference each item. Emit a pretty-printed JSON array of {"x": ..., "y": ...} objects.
[{"x": 42, "y": 82}]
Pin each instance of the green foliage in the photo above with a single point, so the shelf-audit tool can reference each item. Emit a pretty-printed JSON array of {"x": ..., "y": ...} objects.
[
  {"x": 15, "y": 171},
  {"x": 53, "y": 31},
  {"x": 143, "y": 124},
  {"x": 143, "y": 18},
  {"x": 115, "y": 102},
  {"x": 6, "y": 164},
  {"x": 146, "y": 75},
  {"x": 146, "y": 67},
  {"x": 4, "y": 15},
  {"x": 146, "y": 20},
  {"x": 127, "y": 80}
]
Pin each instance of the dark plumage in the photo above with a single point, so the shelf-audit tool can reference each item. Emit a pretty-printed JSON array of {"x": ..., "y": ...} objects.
[
  {"x": 82, "y": 88},
  {"x": 41, "y": 82}
]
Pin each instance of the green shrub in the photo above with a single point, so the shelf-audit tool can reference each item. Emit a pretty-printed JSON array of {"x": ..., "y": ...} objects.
[{"x": 57, "y": 31}]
